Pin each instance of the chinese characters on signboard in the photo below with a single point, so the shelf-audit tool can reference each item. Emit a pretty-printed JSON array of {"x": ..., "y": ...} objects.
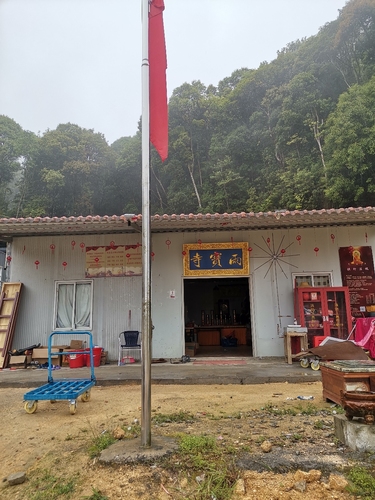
[
  {"x": 357, "y": 272},
  {"x": 113, "y": 261},
  {"x": 212, "y": 259}
]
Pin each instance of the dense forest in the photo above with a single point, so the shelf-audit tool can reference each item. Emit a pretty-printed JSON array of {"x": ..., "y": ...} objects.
[{"x": 296, "y": 133}]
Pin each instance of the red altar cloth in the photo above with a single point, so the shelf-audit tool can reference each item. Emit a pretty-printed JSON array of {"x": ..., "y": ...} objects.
[{"x": 365, "y": 334}]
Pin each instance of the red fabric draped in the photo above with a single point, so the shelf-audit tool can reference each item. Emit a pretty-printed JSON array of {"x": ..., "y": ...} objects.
[
  {"x": 365, "y": 334},
  {"x": 158, "y": 82}
]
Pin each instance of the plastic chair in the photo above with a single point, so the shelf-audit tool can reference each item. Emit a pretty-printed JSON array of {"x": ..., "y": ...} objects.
[{"x": 129, "y": 347}]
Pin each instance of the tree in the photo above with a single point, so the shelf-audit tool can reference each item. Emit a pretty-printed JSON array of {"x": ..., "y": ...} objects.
[
  {"x": 350, "y": 145},
  {"x": 71, "y": 169}
]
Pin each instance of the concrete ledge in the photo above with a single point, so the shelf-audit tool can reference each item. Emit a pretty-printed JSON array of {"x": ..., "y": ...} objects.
[{"x": 355, "y": 434}]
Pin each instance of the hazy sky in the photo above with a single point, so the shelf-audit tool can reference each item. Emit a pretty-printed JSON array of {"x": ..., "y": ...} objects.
[{"x": 79, "y": 61}]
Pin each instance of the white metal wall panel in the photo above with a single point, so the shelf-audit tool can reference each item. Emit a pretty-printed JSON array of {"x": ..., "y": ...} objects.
[
  {"x": 112, "y": 301},
  {"x": 271, "y": 293}
]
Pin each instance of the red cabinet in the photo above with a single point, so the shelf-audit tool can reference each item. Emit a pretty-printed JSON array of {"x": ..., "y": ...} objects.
[{"x": 324, "y": 311}]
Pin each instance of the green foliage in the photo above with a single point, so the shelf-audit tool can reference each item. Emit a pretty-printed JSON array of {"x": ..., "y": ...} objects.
[
  {"x": 180, "y": 417},
  {"x": 202, "y": 457},
  {"x": 362, "y": 483},
  {"x": 47, "y": 486},
  {"x": 100, "y": 442},
  {"x": 96, "y": 495}
]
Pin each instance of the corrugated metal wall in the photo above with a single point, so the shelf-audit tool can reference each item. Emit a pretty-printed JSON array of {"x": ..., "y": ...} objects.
[{"x": 117, "y": 303}]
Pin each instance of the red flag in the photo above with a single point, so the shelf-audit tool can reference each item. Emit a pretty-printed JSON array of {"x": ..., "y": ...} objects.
[{"x": 158, "y": 83}]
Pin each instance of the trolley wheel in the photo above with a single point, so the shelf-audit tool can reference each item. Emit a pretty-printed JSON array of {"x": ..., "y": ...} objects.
[
  {"x": 86, "y": 396},
  {"x": 31, "y": 406},
  {"x": 72, "y": 408},
  {"x": 304, "y": 362},
  {"x": 315, "y": 365}
]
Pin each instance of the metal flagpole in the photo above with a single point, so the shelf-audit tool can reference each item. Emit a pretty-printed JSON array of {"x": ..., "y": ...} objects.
[{"x": 146, "y": 239}]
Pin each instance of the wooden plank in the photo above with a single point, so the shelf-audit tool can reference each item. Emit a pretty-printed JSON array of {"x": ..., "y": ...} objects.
[{"x": 9, "y": 301}]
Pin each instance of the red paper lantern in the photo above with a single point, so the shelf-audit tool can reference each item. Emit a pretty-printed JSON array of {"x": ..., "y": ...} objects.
[
  {"x": 152, "y": 255},
  {"x": 316, "y": 250},
  {"x": 37, "y": 263},
  {"x": 9, "y": 259},
  {"x": 96, "y": 259},
  {"x": 333, "y": 237},
  {"x": 82, "y": 246},
  {"x": 64, "y": 264},
  {"x": 168, "y": 243},
  {"x": 282, "y": 251},
  {"x": 199, "y": 242},
  {"x": 183, "y": 253},
  {"x": 73, "y": 243},
  {"x": 298, "y": 238},
  {"x": 52, "y": 247},
  {"x": 112, "y": 244},
  {"x": 128, "y": 256},
  {"x": 268, "y": 241},
  {"x": 306, "y": 296},
  {"x": 249, "y": 249}
]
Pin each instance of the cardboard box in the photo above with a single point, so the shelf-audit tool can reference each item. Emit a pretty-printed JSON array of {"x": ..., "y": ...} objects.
[
  {"x": 18, "y": 361},
  {"x": 190, "y": 351},
  {"x": 41, "y": 356},
  {"x": 104, "y": 358},
  {"x": 191, "y": 348},
  {"x": 76, "y": 344}
]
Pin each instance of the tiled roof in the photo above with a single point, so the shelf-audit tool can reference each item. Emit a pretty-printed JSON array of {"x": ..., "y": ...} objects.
[{"x": 32, "y": 226}]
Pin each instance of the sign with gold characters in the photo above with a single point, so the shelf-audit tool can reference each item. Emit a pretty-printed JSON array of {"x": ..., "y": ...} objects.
[{"x": 216, "y": 259}]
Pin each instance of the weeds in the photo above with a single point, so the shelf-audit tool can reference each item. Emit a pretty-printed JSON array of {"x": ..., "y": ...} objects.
[
  {"x": 177, "y": 418},
  {"x": 318, "y": 424},
  {"x": 49, "y": 487},
  {"x": 96, "y": 495},
  {"x": 201, "y": 458},
  {"x": 99, "y": 443},
  {"x": 362, "y": 483}
]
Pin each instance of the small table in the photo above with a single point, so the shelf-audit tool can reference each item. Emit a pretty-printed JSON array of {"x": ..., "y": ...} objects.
[{"x": 302, "y": 336}]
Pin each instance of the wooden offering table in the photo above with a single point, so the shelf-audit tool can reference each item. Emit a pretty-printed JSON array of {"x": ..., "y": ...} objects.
[
  {"x": 346, "y": 375},
  {"x": 212, "y": 335}
]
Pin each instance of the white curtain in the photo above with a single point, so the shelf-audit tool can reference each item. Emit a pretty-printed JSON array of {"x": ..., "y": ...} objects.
[
  {"x": 83, "y": 305},
  {"x": 74, "y": 306},
  {"x": 65, "y": 299}
]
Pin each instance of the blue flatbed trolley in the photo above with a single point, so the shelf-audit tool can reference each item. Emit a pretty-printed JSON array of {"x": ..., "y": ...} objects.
[{"x": 62, "y": 389}]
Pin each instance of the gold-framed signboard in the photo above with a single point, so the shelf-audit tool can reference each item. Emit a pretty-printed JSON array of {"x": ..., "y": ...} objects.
[{"x": 216, "y": 259}]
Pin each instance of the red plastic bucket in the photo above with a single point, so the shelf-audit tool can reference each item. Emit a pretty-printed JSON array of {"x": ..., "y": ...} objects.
[
  {"x": 97, "y": 353},
  {"x": 76, "y": 360}
]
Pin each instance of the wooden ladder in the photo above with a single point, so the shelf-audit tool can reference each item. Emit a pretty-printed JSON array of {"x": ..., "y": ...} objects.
[{"x": 9, "y": 300}]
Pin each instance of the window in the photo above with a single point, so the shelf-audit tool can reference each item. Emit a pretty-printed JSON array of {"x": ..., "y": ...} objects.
[
  {"x": 316, "y": 279},
  {"x": 73, "y": 305}
]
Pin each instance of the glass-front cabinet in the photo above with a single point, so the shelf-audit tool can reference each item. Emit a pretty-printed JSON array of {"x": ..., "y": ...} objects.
[{"x": 324, "y": 311}]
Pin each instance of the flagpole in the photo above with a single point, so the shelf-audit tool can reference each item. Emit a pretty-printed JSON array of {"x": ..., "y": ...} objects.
[{"x": 146, "y": 238}]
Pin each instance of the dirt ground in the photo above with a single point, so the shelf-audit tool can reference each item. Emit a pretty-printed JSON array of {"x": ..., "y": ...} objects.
[{"x": 51, "y": 439}]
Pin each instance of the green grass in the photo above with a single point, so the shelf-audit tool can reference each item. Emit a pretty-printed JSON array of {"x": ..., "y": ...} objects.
[
  {"x": 318, "y": 424},
  {"x": 99, "y": 443},
  {"x": 47, "y": 486},
  {"x": 209, "y": 467},
  {"x": 96, "y": 495},
  {"x": 177, "y": 418},
  {"x": 307, "y": 408},
  {"x": 362, "y": 483}
]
